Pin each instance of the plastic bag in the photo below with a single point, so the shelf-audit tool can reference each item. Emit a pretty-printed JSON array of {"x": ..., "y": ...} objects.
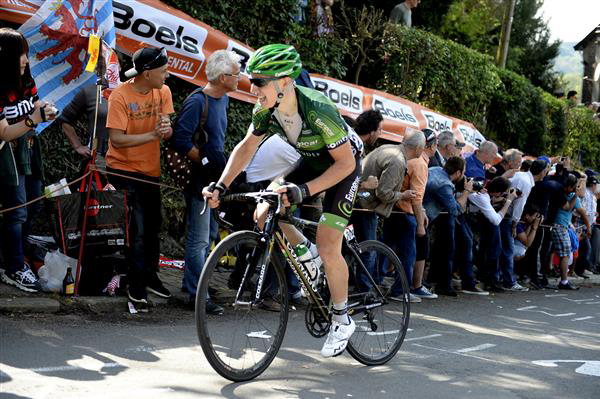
[{"x": 54, "y": 270}]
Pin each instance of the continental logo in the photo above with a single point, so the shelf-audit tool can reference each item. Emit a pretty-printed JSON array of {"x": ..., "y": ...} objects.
[{"x": 169, "y": 35}]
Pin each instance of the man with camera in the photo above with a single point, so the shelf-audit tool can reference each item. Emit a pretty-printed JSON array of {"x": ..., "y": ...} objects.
[
  {"x": 442, "y": 208},
  {"x": 492, "y": 205}
]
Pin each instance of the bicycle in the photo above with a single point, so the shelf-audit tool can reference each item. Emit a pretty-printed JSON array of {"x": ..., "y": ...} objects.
[{"x": 248, "y": 266}]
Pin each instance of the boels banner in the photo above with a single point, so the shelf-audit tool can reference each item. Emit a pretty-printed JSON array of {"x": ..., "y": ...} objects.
[{"x": 189, "y": 42}]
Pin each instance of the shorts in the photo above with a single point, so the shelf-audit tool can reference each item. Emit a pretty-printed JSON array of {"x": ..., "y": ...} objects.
[
  {"x": 422, "y": 244},
  {"x": 561, "y": 240},
  {"x": 339, "y": 199}
]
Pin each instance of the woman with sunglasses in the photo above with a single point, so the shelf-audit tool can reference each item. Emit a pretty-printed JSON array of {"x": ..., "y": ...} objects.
[
  {"x": 21, "y": 169},
  {"x": 310, "y": 122}
]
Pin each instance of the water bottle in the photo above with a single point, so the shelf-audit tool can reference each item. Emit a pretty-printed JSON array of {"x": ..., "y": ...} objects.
[{"x": 311, "y": 265}]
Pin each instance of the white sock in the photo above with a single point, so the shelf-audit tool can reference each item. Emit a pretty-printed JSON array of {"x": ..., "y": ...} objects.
[
  {"x": 564, "y": 281},
  {"x": 312, "y": 248},
  {"x": 340, "y": 313}
]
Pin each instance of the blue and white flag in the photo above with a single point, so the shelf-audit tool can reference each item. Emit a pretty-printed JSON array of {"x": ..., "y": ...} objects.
[{"x": 58, "y": 37}]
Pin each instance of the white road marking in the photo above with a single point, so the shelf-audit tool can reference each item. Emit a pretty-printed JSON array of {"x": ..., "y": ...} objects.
[
  {"x": 589, "y": 367},
  {"x": 579, "y": 300},
  {"x": 476, "y": 348},
  {"x": 258, "y": 334},
  {"x": 582, "y": 318},
  {"x": 425, "y": 337},
  {"x": 460, "y": 354},
  {"x": 550, "y": 296},
  {"x": 531, "y": 309},
  {"x": 71, "y": 368}
]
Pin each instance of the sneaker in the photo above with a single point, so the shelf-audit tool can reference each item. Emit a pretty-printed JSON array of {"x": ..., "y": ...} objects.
[
  {"x": 213, "y": 309},
  {"x": 517, "y": 288},
  {"x": 137, "y": 295},
  {"x": 423, "y": 292},
  {"x": 475, "y": 290},
  {"x": 567, "y": 286},
  {"x": 156, "y": 287},
  {"x": 23, "y": 279},
  {"x": 337, "y": 339}
]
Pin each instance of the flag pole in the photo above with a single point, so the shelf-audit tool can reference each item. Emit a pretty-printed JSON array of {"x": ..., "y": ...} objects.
[{"x": 92, "y": 170}]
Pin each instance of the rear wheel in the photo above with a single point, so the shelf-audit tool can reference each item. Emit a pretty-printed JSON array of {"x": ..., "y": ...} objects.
[
  {"x": 242, "y": 342},
  {"x": 381, "y": 321}
]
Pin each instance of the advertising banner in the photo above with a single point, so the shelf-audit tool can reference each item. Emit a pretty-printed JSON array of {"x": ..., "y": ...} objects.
[{"x": 189, "y": 42}]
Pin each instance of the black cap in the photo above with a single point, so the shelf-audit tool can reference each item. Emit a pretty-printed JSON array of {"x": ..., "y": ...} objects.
[
  {"x": 146, "y": 59},
  {"x": 538, "y": 166},
  {"x": 592, "y": 180},
  {"x": 429, "y": 135}
]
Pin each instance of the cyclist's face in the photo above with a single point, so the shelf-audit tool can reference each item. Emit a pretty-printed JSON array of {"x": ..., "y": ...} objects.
[{"x": 265, "y": 90}]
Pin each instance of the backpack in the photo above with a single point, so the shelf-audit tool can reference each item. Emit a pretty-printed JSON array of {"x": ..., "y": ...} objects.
[{"x": 180, "y": 167}]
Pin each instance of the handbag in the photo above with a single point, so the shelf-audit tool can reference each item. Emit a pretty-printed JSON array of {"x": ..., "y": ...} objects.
[{"x": 180, "y": 167}]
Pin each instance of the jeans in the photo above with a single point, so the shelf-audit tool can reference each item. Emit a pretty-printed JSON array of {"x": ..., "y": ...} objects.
[
  {"x": 489, "y": 250},
  {"x": 531, "y": 261},
  {"x": 507, "y": 251},
  {"x": 144, "y": 250},
  {"x": 442, "y": 259},
  {"x": 365, "y": 228},
  {"x": 584, "y": 258},
  {"x": 196, "y": 241},
  {"x": 399, "y": 234},
  {"x": 595, "y": 245},
  {"x": 463, "y": 256},
  {"x": 17, "y": 223}
]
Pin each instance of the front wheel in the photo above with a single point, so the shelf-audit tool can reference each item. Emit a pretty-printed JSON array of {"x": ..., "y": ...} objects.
[
  {"x": 243, "y": 341},
  {"x": 382, "y": 314}
]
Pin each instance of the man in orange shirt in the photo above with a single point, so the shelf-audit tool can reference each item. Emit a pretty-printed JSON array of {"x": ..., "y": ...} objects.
[
  {"x": 137, "y": 120},
  {"x": 413, "y": 244}
]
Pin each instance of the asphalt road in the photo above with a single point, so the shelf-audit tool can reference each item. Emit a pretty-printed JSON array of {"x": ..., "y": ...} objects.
[{"x": 541, "y": 344}]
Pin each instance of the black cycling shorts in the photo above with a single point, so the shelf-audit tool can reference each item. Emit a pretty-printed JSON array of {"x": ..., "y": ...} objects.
[{"x": 339, "y": 199}]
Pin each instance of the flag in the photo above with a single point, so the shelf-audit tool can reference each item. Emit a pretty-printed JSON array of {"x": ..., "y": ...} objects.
[
  {"x": 58, "y": 37},
  {"x": 93, "y": 51}
]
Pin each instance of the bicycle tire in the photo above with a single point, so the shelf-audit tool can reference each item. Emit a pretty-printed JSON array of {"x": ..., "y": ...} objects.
[
  {"x": 262, "y": 330},
  {"x": 377, "y": 346}
]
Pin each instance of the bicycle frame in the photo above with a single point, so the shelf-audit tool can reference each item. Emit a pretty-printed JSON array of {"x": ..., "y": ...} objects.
[{"x": 272, "y": 232}]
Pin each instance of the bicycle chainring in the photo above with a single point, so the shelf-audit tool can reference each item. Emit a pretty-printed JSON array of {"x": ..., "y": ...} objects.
[{"x": 316, "y": 324}]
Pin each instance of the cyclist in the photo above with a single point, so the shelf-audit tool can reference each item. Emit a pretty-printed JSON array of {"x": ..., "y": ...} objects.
[{"x": 310, "y": 122}]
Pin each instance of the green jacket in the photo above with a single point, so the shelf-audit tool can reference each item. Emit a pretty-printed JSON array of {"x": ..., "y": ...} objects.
[{"x": 21, "y": 160}]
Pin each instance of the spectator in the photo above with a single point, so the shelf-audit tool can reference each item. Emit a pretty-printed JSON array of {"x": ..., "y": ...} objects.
[
  {"x": 84, "y": 104},
  {"x": 584, "y": 265},
  {"x": 21, "y": 167},
  {"x": 223, "y": 73},
  {"x": 448, "y": 146},
  {"x": 137, "y": 120},
  {"x": 526, "y": 232},
  {"x": 572, "y": 98},
  {"x": 324, "y": 16},
  {"x": 526, "y": 165},
  {"x": 439, "y": 198},
  {"x": 510, "y": 164},
  {"x": 402, "y": 13},
  {"x": 485, "y": 203},
  {"x": 299, "y": 13},
  {"x": 414, "y": 248},
  {"x": 562, "y": 221},
  {"x": 388, "y": 164},
  {"x": 368, "y": 126},
  {"x": 486, "y": 154}
]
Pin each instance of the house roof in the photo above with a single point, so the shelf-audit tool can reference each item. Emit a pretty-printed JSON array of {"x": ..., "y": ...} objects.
[{"x": 595, "y": 33}]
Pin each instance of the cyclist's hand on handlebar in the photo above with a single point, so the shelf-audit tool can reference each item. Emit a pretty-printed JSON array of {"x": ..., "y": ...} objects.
[
  {"x": 213, "y": 193},
  {"x": 293, "y": 194}
]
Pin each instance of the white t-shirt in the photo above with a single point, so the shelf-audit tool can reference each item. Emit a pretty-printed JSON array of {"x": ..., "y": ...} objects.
[
  {"x": 481, "y": 202},
  {"x": 274, "y": 158}
]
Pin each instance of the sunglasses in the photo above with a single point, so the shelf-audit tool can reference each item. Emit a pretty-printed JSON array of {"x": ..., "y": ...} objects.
[
  {"x": 262, "y": 82},
  {"x": 235, "y": 75}
]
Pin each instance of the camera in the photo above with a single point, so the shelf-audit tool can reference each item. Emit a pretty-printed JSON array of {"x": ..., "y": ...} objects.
[{"x": 460, "y": 185}]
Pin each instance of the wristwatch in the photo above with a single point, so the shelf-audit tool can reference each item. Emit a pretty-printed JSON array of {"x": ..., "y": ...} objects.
[{"x": 30, "y": 123}]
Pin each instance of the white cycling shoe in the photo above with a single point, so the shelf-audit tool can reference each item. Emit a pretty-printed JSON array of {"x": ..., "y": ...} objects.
[{"x": 337, "y": 339}]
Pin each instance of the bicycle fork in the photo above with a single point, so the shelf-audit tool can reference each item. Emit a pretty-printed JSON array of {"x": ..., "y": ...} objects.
[{"x": 258, "y": 258}]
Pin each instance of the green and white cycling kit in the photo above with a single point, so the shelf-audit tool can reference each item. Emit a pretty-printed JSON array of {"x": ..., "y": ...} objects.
[{"x": 322, "y": 129}]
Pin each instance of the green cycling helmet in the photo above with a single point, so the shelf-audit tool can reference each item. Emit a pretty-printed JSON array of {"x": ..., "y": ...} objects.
[{"x": 277, "y": 60}]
